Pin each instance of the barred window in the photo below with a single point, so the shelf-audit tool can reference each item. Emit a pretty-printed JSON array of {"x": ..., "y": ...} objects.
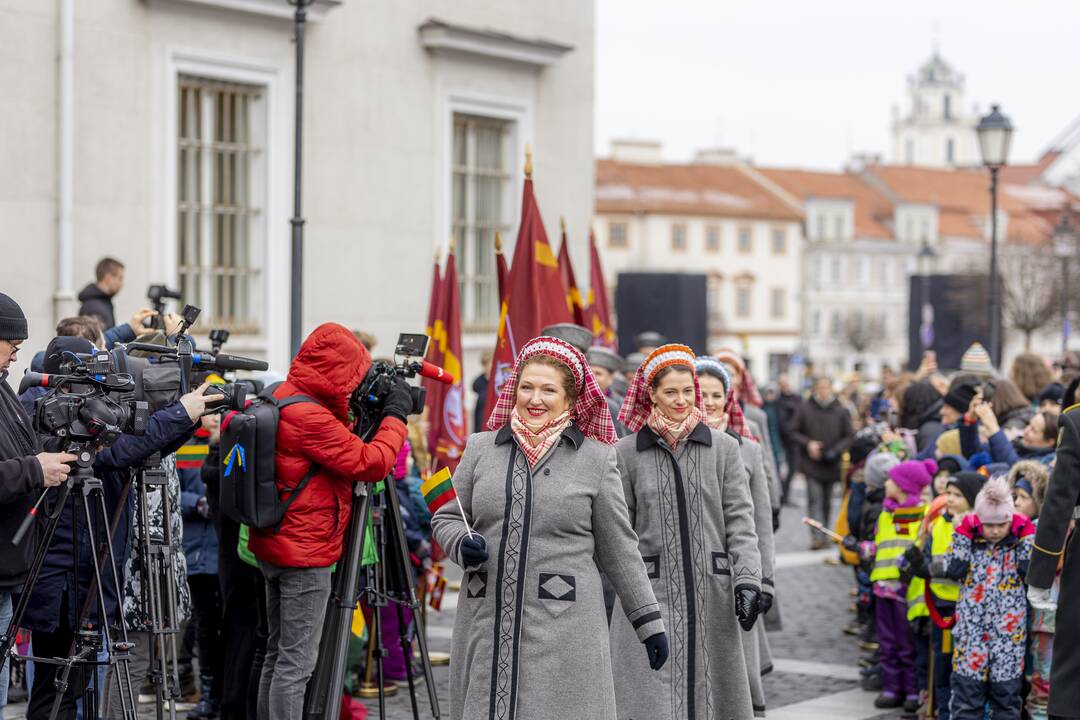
[
  {"x": 712, "y": 239},
  {"x": 617, "y": 235},
  {"x": 480, "y": 202},
  {"x": 219, "y": 147},
  {"x": 678, "y": 237}
]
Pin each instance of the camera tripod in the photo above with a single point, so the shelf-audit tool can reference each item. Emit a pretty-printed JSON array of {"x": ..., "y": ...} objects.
[
  {"x": 90, "y": 638},
  {"x": 388, "y": 580}
]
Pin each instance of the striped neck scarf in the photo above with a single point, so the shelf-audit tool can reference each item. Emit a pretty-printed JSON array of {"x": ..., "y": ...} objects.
[
  {"x": 672, "y": 431},
  {"x": 535, "y": 443},
  {"x": 717, "y": 422}
]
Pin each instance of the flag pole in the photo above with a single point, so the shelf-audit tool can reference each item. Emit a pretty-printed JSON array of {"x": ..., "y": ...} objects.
[{"x": 463, "y": 518}]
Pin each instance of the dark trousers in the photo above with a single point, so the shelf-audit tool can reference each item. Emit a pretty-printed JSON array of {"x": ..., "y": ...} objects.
[
  {"x": 242, "y": 597},
  {"x": 791, "y": 456},
  {"x": 206, "y": 602},
  {"x": 897, "y": 648},
  {"x": 55, "y": 644},
  {"x": 920, "y": 634},
  {"x": 262, "y": 637},
  {"x": 942, "y": 674},
  {"x": 970, "y": 699},
  {"x": 819, "y": 501}
]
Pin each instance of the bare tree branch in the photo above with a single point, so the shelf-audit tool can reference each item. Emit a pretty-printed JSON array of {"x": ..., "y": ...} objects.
[{"x": 1030, "y": 288}]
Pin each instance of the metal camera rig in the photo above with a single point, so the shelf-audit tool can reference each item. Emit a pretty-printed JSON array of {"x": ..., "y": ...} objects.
[{"x": 388, "y": 580}]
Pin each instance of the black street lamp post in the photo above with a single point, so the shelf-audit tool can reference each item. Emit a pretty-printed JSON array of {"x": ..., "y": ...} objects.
[
  {"x": 296, "y": 292},
  {"x": 995, "y": 133},
  {"x": 1064, "y": 247}
]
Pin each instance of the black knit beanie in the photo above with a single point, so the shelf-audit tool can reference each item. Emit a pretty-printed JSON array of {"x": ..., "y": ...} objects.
[
  {"x": 959, "y": 397},
  {"x": 969, "y": 483},
  {"x": 12, "y": 320}
]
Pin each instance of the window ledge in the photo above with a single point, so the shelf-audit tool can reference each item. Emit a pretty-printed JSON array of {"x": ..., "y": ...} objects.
[
  {"x": 279, "y": 9},
  {"x": 438, "y": 36}
]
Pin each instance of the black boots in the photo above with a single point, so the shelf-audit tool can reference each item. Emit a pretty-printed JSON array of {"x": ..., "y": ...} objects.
[{"x": 208, "y": 706}]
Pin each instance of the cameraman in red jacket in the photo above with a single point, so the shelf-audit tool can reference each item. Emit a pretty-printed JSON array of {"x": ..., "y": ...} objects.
[{"x": 296, "y": 559}]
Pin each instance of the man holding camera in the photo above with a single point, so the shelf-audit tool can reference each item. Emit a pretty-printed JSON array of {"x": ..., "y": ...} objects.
[
  {"x": 316, "y": 437},
  {"x": 24, "y": 472}
]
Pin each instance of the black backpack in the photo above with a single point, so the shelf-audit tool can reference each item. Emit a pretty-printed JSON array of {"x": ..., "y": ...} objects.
[{"x": 249, "y": 492}]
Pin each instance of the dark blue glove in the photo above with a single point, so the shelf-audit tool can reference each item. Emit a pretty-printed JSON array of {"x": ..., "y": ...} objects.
[
  {"x": 747, "y": 605},
  {"x": 473, "y": 550},
  {"x": 656, "y": 648},
  {"x": 765, "y": 603}
]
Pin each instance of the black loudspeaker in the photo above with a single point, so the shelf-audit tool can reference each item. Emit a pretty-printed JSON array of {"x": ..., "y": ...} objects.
[
  {"x": 673, "y": 304},
  {"x": 958, "y": 315}
]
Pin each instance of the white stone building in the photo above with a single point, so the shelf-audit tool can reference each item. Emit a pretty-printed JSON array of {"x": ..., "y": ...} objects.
[
  {"x": 717, "y": 217},
  {"x": 936, "y": 129},
  {"x": 161, "y": 132}
]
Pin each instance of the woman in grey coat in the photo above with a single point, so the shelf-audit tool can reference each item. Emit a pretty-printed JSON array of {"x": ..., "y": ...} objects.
[
  {"x": 540, "y": 498},
  {"x": 723, "y": 413},
  {"x": 689, "y": 502}
]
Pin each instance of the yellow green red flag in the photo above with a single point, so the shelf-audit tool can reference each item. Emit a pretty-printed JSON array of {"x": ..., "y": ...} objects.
[{"x": 438, "y": 489}]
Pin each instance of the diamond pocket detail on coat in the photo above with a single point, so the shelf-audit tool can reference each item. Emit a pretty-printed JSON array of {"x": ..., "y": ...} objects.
[
  {"x": 652, "y": 566},
  {"x": 720, "y": 564},
  {"x": 554, "y": 586},
  {"x": 476, "y": 584}
]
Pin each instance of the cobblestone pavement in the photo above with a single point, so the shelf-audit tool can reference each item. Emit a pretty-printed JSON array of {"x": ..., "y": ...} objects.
[{"x": 816, "y": 672}]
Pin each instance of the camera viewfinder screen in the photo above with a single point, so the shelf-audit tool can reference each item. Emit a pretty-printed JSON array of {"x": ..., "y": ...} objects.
[{"x": 412, "y": 344}]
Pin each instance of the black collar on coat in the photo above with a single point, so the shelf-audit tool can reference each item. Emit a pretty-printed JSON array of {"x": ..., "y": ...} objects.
[
  {"x": 647, "y": 438},
  {"x": 572, "y": 433}
]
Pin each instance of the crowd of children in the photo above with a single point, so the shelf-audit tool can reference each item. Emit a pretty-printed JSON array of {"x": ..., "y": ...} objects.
[{"x": 941, "y": 531}]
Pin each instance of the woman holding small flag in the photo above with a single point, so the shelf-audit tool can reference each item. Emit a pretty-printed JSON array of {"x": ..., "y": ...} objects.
[
  {"x": 689, "y": 500},
  {"x": 532, "y": 503}
]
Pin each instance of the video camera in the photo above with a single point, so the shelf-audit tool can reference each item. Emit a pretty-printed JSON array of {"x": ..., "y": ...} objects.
[
  {"x": 90, "y": 402},
  {"x": 369, "y": 397},
  {"x": 157, "y": 295}
]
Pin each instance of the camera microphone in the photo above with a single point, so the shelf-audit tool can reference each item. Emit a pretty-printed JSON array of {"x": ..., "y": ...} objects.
[
  {"x": 433, "y": 372},
  {"x": 224, "y": 361}
]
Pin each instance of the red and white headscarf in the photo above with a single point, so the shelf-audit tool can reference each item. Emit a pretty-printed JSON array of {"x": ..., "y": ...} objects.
[
  {"x": 748, "y": 392},
  {"x": 638, "y": 403},
  {"x": 590, "y": 411}
]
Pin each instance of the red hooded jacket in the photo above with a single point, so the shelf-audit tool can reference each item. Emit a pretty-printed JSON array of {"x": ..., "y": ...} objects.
[{"x": 330, "y": 365}]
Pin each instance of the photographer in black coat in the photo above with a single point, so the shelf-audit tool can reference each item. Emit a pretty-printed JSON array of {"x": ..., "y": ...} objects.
[{"x": 24, "y": 472}]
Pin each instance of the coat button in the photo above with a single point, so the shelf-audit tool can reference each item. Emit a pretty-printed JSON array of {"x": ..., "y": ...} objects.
[{"x": 547, "y": 471}]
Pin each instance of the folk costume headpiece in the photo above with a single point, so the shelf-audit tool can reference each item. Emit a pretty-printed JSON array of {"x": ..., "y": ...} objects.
[
  {"x": 748, "y": 392},
  {"x": 638, "y": 403},
  {"x": 589, "y": 412},
  {"x": 735, "y": 419}
]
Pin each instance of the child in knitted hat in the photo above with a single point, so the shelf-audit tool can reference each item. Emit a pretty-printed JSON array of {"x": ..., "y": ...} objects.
[
  {"x": 991, "y": 548},
  {"x": 897, "y": 529}
]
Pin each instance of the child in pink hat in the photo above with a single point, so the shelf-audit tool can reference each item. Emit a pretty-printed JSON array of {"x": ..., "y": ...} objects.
[{"x": 988, "y": 557}]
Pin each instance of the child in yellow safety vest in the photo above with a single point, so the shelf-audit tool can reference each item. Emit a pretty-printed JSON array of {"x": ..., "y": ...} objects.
[
  {"x": 927, "y": 562},
  {"x": 897, "y": 530}
]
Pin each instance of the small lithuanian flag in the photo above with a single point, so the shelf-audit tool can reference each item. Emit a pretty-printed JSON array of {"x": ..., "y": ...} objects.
[{"x": 438, "y": 490}]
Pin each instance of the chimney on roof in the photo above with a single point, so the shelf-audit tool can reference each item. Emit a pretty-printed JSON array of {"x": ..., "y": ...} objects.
[
  {"x": 644, "y": 152},
  {"x": 716, "y": 156},
  {"x": 861, "y": 160}
]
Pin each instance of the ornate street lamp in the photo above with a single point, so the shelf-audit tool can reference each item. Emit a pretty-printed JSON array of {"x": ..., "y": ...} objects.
[
  {"x": 995, "y": 134},
  {"x": 296, "y": 292},
  {"x": 1064, "y": 248}
]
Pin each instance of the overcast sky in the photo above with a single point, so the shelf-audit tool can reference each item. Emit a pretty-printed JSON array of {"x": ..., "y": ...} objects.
[{"x": 804, "y": 83}]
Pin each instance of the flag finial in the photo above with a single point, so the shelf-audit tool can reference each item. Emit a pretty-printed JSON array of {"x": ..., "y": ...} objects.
[
  {"x": 528, "y": 161},
  {"x": 453, "y": 243},
  {"x": 438, "y": 255},
  {"x": 562, "y": 224},
  {"x": 498, "y": 242}
]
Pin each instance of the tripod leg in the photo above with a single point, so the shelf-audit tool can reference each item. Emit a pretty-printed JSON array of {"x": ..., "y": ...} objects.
[{"x": 406, "y": 651}]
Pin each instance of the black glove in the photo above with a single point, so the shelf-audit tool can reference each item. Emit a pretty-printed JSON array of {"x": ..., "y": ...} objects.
[
  {"x": 398, "y": 401},
  {"x": 656, "y": 648},
  {"x": 776, "y": 519},
  {"x": 765, "y": 603},
  {"x": 473, "y": 550},
  {"x": 747, "y": 605},
  {"x": 914, "y": 556},
  {"x": 851, "y": 543}
]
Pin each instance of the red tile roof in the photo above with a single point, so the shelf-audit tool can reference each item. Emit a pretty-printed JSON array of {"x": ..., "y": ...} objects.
[
  {"x": 697, "y": 189},
  {"x": 873, "y": 211}
]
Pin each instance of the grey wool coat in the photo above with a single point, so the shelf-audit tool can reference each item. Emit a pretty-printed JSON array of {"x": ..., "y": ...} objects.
[
  {"x": 694, "y": 519},
  {"x": 756, "y": 642},
  {"x": 531, "y": 635}
]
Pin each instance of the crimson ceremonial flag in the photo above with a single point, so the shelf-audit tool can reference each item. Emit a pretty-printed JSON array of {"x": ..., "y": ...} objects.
[
  {"x": 536, "y": 296},
  {"x": 501, "y": 271},
  {"x": 446, "y": 438},
  {"x": 433, "y": 356},
  {"x": 433, "y": 298},
  {"x": 573, "y": 296},
  {"x": 598, "y": 314}
]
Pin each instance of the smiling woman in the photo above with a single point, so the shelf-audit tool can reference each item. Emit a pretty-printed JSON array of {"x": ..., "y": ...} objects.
[{"x": 542, "y": 496}]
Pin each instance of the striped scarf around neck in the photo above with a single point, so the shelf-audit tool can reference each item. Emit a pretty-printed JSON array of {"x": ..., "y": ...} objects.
[
  {"x": 673, "y": 431},
  {"x": 535, "y": 443}
]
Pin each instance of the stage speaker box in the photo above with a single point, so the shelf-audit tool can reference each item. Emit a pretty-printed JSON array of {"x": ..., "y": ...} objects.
[
  {"x": 948, "y": 313},
  {"x": 673, "y": 304}
]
